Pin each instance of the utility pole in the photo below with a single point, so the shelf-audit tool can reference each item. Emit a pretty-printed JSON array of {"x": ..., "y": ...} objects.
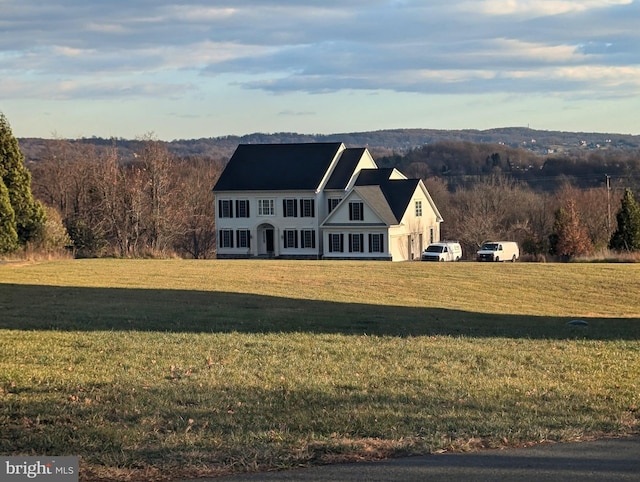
[{"x": 608, "y": 179}]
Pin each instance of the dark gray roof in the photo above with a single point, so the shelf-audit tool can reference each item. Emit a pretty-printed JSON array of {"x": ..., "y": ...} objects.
[
  {"x": 376, "y": 199},
  {"x": 345, "y": 168},
  {"x": 399, "y": 193},
  {"x": 373, "y": 177},
  {"x": 277, "y": 167}
]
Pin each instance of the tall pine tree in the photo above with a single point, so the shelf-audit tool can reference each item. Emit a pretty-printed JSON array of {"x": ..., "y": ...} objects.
[
  {"x": 8, "y": 234},
  {"x": 627, "y": 234},
  {"x": 29, "y": 213}
]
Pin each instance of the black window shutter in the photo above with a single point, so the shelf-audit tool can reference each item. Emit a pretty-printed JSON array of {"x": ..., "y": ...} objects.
[{"x": 284, "y": 208}]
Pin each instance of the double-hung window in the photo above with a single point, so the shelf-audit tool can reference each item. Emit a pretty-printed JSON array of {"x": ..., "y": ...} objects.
[
  {"x": 226, "y": 238},
  {"x": 242, "y": 208},
  {"x": 307, "y": 238},
  {"x": 289, "y": 208},
  {"x": 356, "y": 243},
  {"x": 266, "y": 207},
  {"x": 356, "y": 211},
  {"x": 376, "y": 243},
  {"x": 243, "y": 238},
  {"x": 333, "y": 202},
  {"x": 307, "y": 208},
  {"x": 225, "y": 208},
  {"x": 418, "y": 208},
  {"x": 290, "y": 238},
  {"x": 336, "y": 243}
]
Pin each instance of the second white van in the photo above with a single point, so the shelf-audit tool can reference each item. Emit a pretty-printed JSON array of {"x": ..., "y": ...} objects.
[{"x": 499, "y": 251}]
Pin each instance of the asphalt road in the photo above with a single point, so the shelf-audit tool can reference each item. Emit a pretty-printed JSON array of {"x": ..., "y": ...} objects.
[{"x": 601, "y": 460}]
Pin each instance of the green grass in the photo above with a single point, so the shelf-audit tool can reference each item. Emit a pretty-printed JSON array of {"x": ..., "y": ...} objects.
[{"x": 160, "y": 369}]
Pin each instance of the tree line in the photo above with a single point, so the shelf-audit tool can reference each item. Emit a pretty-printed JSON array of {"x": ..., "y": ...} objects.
[{"x": 87, "y": 199}]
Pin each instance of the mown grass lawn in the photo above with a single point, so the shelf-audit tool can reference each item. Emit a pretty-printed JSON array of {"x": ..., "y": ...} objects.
[{"x": 160, "y": 369}]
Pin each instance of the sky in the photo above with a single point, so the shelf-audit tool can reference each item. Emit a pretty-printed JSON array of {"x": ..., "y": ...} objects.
[{"x": 194, "y": 69}]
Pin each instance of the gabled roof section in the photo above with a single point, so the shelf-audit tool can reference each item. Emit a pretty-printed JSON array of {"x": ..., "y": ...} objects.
[
  {"x": 345, "y": 168},
  {"x": 278, "y": 167},
  {"x": 377, "y": 201},
  {"x": 399, "y": 194},
  {"x": 397, "y": 191}
]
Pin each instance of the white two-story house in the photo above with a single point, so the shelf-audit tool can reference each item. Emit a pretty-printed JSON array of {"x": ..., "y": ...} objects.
[{"x": 320, "y": 201}]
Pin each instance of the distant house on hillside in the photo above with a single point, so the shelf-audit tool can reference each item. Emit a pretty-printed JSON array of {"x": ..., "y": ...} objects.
[{"x": 320, "y": 201}]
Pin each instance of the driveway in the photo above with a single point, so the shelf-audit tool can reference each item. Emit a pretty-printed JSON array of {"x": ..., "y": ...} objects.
[{"x": 606, "y": 459}]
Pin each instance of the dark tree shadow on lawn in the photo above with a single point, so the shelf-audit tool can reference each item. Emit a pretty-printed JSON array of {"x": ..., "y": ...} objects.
[{"x": 34, "y": 307}]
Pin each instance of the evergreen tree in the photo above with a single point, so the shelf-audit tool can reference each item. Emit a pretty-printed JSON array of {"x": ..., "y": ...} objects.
[
  {"x": 8, "y": 234},
  {"x": 29, "y": 213},
  {"x": 627, "y": 235}
]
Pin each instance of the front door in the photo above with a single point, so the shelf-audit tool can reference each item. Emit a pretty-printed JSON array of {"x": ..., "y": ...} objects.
[{"x": 268, "y": 234}]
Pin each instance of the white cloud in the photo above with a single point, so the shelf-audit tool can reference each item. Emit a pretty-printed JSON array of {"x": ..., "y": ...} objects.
[
  {"x": 160, "y": 49},
  {"x": 537, "y": 8}
]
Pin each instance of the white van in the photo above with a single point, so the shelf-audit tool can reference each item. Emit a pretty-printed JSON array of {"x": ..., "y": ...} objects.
[
  {"x": 444, "y": 251},
  {"x": 499, "y": 251}
]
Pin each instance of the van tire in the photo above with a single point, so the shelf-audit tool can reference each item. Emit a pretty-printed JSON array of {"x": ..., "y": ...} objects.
[
  {"x": 497, "y": 259},
  {"x": 513, "y": 258}
]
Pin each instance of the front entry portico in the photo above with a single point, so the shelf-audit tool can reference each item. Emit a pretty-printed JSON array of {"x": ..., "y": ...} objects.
[{"x": 266, "y": 240}]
